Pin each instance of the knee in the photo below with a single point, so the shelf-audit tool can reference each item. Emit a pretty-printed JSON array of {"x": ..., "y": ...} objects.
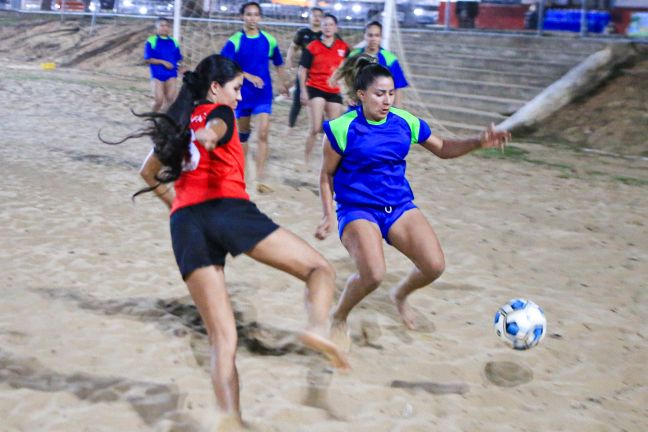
[
  {"x": 263, "y": 136},
  {"x": 434, "y": 269},
  {"x": 323, "y": 266},
  {"x": 314, "y": 131},
  {"x": 372, "y": 277}
]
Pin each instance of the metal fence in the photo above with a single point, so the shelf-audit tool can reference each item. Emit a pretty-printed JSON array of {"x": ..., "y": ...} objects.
[{"x": 600, "y": 18}]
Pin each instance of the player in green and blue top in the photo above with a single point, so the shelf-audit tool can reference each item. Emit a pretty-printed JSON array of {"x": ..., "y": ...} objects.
[
  {"x": 364, "y": 171},
  {"x": 162, "y": 54},
  {"x": 250, "y": 48},
  {"x": 372, "y": 37}
]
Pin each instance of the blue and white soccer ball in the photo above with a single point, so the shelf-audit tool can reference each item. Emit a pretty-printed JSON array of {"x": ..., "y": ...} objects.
[{"x": 521, "y": 324}]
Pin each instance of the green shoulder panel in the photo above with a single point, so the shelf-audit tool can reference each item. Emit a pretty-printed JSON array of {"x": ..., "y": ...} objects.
[
  {"x": 272, "y": 41},
  {"x": 355, "y": 52},
  {"x": 175, "y": 41},
  {"x": 413, "y": 122},
  {"x": 236, "y": 40},
  {"x": 340, "y": 128},
  {"x": 152, "y": 40},
  {"x": 390, "y": 58}
]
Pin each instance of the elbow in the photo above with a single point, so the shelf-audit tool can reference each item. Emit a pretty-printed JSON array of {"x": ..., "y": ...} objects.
[{"x": 148, "y": 175}]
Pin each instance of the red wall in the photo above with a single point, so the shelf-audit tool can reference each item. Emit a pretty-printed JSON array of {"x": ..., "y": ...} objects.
[
  {"x": 491, "y": 16},
  {"x": 621, "y": 18},
  {"x": 501, "y": 17}
]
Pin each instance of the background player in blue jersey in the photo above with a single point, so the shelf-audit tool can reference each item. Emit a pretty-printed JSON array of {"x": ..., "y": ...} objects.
[
  {"x": 250, "y": 48},
  {"x": 162, "y": 54},
  {"x": 364, "y": 166},
  {"x": 372, "y": 38}
]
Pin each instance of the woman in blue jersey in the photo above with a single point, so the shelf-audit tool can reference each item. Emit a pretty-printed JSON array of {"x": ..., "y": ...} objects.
[
  {"x": 372, "y": 39},
  {"x": 364, "y": 166},
  {"x": 253, "y": 49},
  {"x": 162, "y": 54}
]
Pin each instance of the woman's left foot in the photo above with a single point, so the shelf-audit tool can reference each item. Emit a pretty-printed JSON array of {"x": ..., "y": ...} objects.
[
  {"x": 404, "y": 310},
  {"x": 326, "y": 347}
]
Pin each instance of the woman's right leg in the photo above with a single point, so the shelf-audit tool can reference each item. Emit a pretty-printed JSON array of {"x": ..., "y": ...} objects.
[
  {"x": 207, "y": 288},
  {"x": 288, "y": 252},
  {"x": 315, "y": 116},
  {"x": 157, "y": 88},
  {"x": 363, "y": 240}
]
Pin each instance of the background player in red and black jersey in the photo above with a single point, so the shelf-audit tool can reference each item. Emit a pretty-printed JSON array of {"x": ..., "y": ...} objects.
[
  {"x": 319, "y": 61},
  {"x": 198, "y": 147},
  {"x": 303, "y": 37}
]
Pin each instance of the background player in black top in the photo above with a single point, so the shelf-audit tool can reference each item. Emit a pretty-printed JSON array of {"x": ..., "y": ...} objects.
[{"x": 303, "y": 37}]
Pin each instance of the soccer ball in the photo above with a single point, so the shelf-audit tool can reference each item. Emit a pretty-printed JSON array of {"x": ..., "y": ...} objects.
[{"x": 521, "y": 324}]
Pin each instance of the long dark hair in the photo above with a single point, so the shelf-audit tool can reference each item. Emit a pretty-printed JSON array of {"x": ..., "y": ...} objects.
[
  {"x": 359, "y": 72},
  {"x": 170, "y": 131}
]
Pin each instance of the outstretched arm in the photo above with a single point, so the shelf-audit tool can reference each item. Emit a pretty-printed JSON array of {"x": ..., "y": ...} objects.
[
  {"x": 330, "y": 162},
  {"x": 149, "y": 170},
  {"x": 455, "y": 147}
]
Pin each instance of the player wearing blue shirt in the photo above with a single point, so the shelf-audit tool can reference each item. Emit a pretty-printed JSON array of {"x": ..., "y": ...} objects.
[
  {"x": 372, "y": 37},
  {"x": 250, "y": 48},
  {"x": 364, "y": 171},
  {"x": 162, "y": 54}
]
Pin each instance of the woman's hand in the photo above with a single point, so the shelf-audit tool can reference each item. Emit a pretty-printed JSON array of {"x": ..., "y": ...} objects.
[
  {"x": 255, "y": 80},
  {"x": 324, "y": 228},
  {"x": 491, "y": 138},
  {"x": 303, "y": 97}
]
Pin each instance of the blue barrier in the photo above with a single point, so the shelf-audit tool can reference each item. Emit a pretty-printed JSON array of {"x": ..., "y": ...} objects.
[{"x": 570, "y": 20}]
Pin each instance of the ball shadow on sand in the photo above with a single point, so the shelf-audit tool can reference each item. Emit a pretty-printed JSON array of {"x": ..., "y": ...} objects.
[{"x": 507, "y": 373}]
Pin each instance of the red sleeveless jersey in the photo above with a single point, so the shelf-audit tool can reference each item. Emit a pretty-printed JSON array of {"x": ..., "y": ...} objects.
[{"x": 209, "y": 175}]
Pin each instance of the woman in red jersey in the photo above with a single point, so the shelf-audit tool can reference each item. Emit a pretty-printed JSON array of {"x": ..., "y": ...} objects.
[
  {"x": 196, "y": 145},
  {"x": 319, "y": 61}
]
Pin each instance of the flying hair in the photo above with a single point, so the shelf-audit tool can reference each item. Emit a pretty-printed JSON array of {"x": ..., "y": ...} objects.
[{"x": 170, "y": 131}]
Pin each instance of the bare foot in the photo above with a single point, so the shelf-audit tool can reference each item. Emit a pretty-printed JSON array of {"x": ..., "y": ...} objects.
[
  {"x": 405, "y": 311},
  {"x": 341, "y": 335},
  {"x": 263, "y": 188},
  {"x": 231, "y": 423},
  {"x": 324, "y": 346}
]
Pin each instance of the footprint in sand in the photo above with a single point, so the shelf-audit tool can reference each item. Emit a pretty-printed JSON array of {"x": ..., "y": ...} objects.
[{"x": 431, "y": 387}]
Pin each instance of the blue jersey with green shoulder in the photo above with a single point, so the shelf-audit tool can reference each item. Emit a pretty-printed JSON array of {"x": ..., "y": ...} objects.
[
  {"x": 163, "y": 48},
  {"x": 253, "y": 54},
  {"x": 389, "y": 60},
  {"x": 372, "y": 169}
]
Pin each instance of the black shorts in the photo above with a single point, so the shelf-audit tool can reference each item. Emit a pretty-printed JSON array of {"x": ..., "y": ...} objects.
[
  {"x": 328, "y": 97},
  {"x": 203, "y": 234}
]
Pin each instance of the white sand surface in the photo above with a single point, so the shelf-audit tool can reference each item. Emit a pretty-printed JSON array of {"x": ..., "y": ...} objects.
[{"x": 89, "y": 340}]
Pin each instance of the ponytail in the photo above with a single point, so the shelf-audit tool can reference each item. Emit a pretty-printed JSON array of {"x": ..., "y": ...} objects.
[
  {"x": 170, "y": 131},
  {"x": 359, "y": 72}
]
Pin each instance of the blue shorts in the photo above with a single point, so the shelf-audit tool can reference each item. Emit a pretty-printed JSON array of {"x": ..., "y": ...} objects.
[
  {"x": 164, "y": 78},
  {"x": 384, "y": 217},
  {"x": 203, "y": 234},
  {"x": 250, "y": 111}
]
